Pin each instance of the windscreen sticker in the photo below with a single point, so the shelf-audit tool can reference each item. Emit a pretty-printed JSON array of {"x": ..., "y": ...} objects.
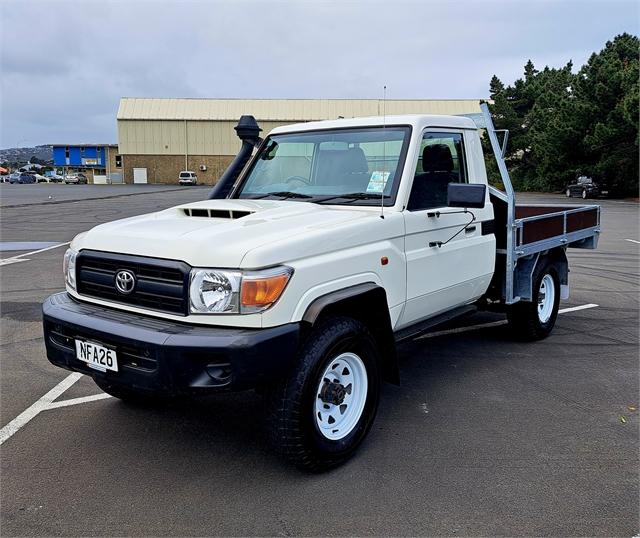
[{"x": 377, "y": 181}]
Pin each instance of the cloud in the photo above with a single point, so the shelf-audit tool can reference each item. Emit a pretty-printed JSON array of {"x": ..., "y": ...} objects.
[{"x": 62, "y": 78}]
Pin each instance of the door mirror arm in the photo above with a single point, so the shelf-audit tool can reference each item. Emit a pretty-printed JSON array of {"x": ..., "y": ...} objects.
[{"x": 442, "y": 243}]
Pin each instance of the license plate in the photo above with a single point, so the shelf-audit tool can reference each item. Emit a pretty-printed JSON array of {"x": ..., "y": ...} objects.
[
  {"x": 604, "y": 192},
  {"x": 96, "y": 356}
]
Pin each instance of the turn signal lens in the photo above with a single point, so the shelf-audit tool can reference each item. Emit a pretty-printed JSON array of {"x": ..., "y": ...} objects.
[{"x": 261, "y": 289}]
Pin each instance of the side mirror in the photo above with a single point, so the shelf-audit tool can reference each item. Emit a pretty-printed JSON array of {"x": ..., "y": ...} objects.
[{"x": 466, "y": 195}]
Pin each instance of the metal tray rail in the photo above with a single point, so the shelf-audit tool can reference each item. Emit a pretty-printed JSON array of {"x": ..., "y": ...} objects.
[
  {"x": 533, "y": 234},
  {"x": 558, "y": 229}
]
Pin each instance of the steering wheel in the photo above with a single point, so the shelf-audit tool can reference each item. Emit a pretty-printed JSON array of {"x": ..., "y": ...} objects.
[{"x": 301, "y": 179}]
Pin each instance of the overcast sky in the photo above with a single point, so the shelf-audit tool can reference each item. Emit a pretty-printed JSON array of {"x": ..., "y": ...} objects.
[{"x": 65, "y": 65}]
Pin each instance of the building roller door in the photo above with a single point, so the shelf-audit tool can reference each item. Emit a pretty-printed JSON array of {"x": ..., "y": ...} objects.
[{"x": 140, "y": 175}]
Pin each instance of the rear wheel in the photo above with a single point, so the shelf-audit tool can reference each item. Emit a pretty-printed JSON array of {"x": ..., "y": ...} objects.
[
  {"x": 320, "y": 413},
  {"x": 568, "y": 193},
  {"x": 584, "y": 194},
  {"x": 535, "y": 320}
]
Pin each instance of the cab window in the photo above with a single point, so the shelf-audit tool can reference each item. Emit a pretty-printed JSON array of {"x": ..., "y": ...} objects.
[{"x": 441, "y": 162}]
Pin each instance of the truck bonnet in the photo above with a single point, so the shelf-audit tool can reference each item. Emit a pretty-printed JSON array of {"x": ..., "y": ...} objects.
[{"x": 219, "y": 233}]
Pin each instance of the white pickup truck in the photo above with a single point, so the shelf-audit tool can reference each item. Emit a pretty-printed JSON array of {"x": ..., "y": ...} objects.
[{"x": 309, "y": 261}]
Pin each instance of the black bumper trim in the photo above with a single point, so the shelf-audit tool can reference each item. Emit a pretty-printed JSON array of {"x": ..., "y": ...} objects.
[{"x": 164, "y": 356}]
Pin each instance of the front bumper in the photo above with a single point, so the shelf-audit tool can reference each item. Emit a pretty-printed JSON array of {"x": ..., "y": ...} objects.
[{"x": 164, "y": 357}]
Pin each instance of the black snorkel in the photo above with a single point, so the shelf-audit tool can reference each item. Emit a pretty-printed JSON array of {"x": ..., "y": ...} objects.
[{"x": 248, "y": 131}]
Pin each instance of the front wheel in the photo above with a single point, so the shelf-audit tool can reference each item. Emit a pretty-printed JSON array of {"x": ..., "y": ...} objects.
[
  {"x": 568, "y": 193},
  {"x": 535, "y": 320},
  {"x": 584, "y": 194},
  {"x": 320, "y": 413}
]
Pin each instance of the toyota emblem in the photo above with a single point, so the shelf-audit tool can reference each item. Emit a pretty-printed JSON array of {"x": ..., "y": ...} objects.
[{"x": 125, "y": 281}]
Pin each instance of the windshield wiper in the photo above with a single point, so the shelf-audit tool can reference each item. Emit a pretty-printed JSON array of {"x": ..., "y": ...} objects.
[
  {"x": 283, "y": 194},
  {"x": 352, "y": 196}
]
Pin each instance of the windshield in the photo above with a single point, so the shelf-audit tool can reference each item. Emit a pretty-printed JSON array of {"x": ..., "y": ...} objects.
[{"x": 341, "y": 166}]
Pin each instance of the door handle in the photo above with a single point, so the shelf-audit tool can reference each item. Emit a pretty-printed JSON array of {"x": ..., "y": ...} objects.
[{"x": 470, "y": 229}]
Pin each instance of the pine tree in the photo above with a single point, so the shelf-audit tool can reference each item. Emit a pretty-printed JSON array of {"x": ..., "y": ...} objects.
[
  {"x": 608, "y": 85},
  {"x": 529, "y": 70},
  {"x": 564, "y": 124},
  {"x": 496, "y": 87}
]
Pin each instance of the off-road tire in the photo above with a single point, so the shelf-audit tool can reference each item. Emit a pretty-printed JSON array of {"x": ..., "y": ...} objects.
[
  {"x": 290, "y": 403},
  {"x": 523, "y": 317}
]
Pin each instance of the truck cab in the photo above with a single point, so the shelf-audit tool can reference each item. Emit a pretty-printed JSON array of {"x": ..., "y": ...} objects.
[{"x": 321, "y": 247}]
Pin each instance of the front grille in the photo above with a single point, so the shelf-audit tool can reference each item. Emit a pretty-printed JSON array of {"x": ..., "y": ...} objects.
[{"x": 160, "y": 284}]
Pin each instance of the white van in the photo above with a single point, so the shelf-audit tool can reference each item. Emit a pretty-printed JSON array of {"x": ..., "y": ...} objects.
[{"x": 187, "y": 177}]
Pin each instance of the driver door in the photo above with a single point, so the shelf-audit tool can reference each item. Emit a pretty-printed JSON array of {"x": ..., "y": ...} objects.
[{"x": 458, "y": 272}]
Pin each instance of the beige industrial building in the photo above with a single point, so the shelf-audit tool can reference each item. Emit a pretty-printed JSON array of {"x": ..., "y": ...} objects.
[{"x": 157, "y": 138}]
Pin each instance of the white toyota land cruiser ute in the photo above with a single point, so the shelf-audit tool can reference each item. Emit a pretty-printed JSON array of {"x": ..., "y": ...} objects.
[{"x": 309, "y": 261}]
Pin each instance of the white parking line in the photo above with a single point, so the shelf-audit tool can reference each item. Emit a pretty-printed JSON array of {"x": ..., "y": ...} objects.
[
  {"x": 20, "y": 257},
  {"x": 76, "y": 401},
  {"x": 576, "y": 308},
  {"x": 7, "y": 431},
  {"x": 633, "y": 241},
  {"x": 9, "y": 261},
  {"x": 47, "y": 401}
]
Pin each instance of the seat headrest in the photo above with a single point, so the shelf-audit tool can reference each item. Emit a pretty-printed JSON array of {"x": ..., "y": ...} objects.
[
  {"x": 354, "y": 161},
  {"x": 437, "y": 158},
  {"x": 333, "y": 164}
]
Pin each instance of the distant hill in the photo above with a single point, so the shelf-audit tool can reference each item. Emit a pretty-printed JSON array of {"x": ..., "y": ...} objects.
[{"x": 22, "y": 155}]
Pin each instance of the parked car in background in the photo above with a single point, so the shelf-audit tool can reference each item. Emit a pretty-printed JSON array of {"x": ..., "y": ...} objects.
[
  {"x": 187, "y": 177},
  {"x": 586, "y": 187},
  {"x": 75, "y": 179},
  {"x": 55, "y": 178},
  {"x": 21, "y": 177},
  {"x": 40, "y": 178}
]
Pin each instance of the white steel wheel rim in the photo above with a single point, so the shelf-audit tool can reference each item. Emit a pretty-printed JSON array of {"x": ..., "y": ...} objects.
[
  {"x": 341, "y": 396},
  {"x": 584, "y": 195},
  {"x": 546, "y": 298},
  {"x": 568, "y": 193}
]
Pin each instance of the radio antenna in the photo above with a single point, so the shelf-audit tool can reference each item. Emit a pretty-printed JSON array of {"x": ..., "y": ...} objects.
[{"x": 384, "y": 148}]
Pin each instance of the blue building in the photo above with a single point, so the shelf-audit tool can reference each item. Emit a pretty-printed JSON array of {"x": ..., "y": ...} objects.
[{"x": 99, "y": 162}]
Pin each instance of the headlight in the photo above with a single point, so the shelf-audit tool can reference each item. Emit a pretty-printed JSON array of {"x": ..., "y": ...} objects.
[
  {"x": 69, "y": 268},
  {"x": 213, "y": 290},
  {"x": 234, "y": 292}
]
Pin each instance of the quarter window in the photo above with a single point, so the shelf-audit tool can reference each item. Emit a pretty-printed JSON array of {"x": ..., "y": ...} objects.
[{"x": 441, "y": 162}]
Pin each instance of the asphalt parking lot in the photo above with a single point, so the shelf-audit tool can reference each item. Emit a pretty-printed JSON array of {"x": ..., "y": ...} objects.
[{"x": 486, "y": 436}]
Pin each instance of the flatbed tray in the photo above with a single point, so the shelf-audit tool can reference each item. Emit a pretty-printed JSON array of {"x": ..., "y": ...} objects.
[{"x": 540, "y": 227}]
